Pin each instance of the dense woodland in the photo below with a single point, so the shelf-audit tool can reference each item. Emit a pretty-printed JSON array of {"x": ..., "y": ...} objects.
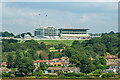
[{"x": 21, "y": 54}]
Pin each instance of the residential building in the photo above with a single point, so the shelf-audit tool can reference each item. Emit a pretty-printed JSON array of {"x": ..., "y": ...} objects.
[
  {"x": 116, "y": 66},
  {"x": 4, "y": 63},
  {"x": 56, "y": 69},
  {"x": 63, "y": 69},
  {"x": 63, "y": 61},
  {"x": 111, "y": 59}
]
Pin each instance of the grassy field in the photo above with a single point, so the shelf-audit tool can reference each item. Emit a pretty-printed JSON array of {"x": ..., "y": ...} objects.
[{"x": 56, "y": 42}]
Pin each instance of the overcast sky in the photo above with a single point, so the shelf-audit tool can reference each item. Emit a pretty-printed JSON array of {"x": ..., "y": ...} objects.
[{"x": 96, "y": 16}]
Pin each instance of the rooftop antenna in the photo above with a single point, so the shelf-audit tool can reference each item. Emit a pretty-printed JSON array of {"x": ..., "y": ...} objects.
[
  {"x": 40, "y": 19},
  {"x": 46, "y": 20}
]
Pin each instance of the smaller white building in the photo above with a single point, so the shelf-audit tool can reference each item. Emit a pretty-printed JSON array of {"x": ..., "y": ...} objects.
[{"x": 27, "y": 36}]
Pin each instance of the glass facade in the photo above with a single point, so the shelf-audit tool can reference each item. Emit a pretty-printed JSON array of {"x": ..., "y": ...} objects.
[{"x": 45, "y": 31}]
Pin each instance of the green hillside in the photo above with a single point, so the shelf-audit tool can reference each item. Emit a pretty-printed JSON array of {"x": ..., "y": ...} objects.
[{"x": 56, "y": 42}]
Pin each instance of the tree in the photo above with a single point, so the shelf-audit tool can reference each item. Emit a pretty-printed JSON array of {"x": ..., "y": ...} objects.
[
  {"x": 81, "y": 60},
  {"x": 43, "y": 66},
  {"x": 42, "y": 46},
  {"x": 11, "y": 60},
  {"x": 26, "y": 66},
  {"x": 38, "y": 73},
  {"x": 7, "y": 34},
  {"x": 99, "y": 49},
  {"x": 76, "y": 42},
  {"x": 118, "y": 54},
  {"x": 102, "y": 60},
  {"x": 19, "y": 57},
  {"x": 69, "y": 51}
]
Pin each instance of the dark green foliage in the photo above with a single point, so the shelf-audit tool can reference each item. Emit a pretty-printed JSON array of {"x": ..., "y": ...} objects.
[
  {"x": 42, "y": 46},
  {"x": 26, "y": 66},
  {"x": 108, "y": 75},
  {"x": 7, "y": 34},
  {"x": 43, "y": 66},
  {"x": 76, "y": 42},
  {"x": 17, "y": 36},
  {"x": 118, "y": 54},
  {"x": 69, "y": 51},
  {"x": 82, "y": 61},
  {"x": 6, "y": 75},
  {"x": 10, "y": 40},
  {"x": 31, "y": 44},
  {"x": 74, "y": 74},
  {"x": 38, "y": 73}
]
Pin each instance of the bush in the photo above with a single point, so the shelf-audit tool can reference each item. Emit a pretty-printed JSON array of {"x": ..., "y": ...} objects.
[
  {"x": 6, "y": 75},
  {"x": 107, "y": 75},
  {"x": 50, "y": 75},
  {"x": 98, "y": 71},
  {"x": 12, "y": 75},
  {"x": 39, "y": 73},
  {"x": 74, "y": 74}
]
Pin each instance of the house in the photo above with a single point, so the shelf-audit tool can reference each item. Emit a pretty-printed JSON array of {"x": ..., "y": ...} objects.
[
  {"x": 63, "y": 61},
  {"x": 63, "y": 69},
  {"x": 37, "y": 62},
  {"x": 56, "y": 69},
  {"x": 4, "y": 70},
  {"x": 116, "y": 66},
  {"x": 73, "y": 69},
  {"x": 4, "y": 64},
  {"x": 111, "y": 59},
  {"x": 109, "y": 70}
]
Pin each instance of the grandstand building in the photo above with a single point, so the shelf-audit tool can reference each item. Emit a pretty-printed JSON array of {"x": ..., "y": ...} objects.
[
  {"x": 74, "y": 33},
  {"x": 45, "y": 32},
  {"x": 50, "y": 32}
]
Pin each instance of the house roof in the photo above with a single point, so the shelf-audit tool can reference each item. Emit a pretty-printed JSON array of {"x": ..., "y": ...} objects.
[
  {"x": 73, "y": 68},
  {"x": 64, "y": 57},
  {"x": 4, "y": 70},
  {"x": 111, "y": 57},
  {"x": 56, "y": 68},
  {"x": 4, "y": 63},
  {"x": 37, "y": 61}
]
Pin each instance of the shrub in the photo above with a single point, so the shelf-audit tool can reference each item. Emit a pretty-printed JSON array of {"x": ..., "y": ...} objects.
[
  {"x": 74, "y": 74},
  {"x": 12, "y": 75},
  {"x": 50, "y": 75},
  {"x": 107, "y": 75},
  {"x": 6, "y": 75},
  {"x": 98, "y": 71},
  {"x": 39, "y": 73}
]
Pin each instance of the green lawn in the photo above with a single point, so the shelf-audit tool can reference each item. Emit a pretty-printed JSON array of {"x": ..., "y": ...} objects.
[{"x": 56, "y": 42}]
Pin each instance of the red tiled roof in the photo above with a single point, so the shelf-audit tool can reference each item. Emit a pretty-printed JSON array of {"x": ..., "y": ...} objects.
[
  {"x": 63, "y": 57},
  {"x": 111, "y": 57},
  {"x": 37, "y": 61},
  {"x": 4, "y": 63}
]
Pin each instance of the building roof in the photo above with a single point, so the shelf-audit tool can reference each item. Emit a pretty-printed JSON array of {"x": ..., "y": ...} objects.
[
  {"x": 64, "y": 57},
  {"x": 71, "y": 29},
  {"x": 37, "y": 61},
  {"x": 111, "y": 57},
  {"x": 56, "y": 68},
  {"x": 4, "y": 63},
  {"x": 4, "y": 70},
  {"x": 45, "y": 27}
]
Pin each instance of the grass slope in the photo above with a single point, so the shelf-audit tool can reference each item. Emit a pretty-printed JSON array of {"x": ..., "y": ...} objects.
[{"x": 56, "y": 42}]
